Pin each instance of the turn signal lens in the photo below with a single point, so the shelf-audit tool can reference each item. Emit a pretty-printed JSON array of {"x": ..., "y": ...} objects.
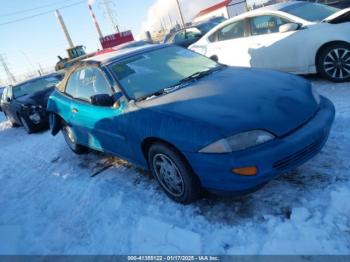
[{"x": 246, "y": 171}]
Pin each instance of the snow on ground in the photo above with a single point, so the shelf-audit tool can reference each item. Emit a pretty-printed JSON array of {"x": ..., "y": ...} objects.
[{"x": 49, "y": 204}]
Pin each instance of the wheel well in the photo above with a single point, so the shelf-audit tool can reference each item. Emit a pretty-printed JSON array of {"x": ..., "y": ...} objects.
[
  {"x": 148, "y": 142},
  {"x": 319, "y": 51},
  {"x": 58, "y": 125}
]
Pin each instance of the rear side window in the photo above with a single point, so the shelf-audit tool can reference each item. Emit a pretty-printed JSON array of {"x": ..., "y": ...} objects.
[
  {"x": 266, "y": 24},
  {"x": 231, "y": 31},
  {"x": 87, "y": 82}
]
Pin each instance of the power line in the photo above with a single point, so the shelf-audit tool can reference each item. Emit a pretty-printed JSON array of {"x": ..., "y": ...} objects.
[
  {"x": 40, "y": 14},
  {"x": 33, "y": 9}
]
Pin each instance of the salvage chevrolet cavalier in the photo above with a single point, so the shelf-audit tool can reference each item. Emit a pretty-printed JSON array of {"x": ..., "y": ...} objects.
[{"x": 194, "y": 123}]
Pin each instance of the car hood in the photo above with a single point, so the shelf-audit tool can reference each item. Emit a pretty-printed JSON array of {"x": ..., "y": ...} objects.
[
  {"x": 37, "y": 98},
  {"x": 238, "y": 99},
  {"x": 341, "y": 16}
]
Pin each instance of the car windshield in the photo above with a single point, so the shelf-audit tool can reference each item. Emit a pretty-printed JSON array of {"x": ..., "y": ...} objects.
[
  {"x": 35, "y": 86},
  {"x": 311, "y": 11},
  {"x": 148, "y": 73}
]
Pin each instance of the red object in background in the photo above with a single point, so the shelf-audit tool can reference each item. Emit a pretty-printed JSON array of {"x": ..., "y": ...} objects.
[{"x": 116, "y": 39}]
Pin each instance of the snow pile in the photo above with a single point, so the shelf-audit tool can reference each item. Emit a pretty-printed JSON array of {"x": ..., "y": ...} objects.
[
  {"x": 156, "y": 237},
  {"x": 50, "y": 205}
]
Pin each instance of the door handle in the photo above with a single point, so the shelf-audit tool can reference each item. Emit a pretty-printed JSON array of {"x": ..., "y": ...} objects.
[{"x": 74, "y": 110}]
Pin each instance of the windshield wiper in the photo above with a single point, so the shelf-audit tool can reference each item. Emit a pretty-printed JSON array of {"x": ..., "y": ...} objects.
[
  {"x": 199, "y": 75},
  {"x": 193, "y": 77}
]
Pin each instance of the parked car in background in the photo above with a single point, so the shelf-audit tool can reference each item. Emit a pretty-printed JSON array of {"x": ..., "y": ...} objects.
[
  {"x": 193, "y": 122},
  {"x": 1, "y": 91},
  {"x": 296, "y": 37},
  {"x": 335, "y": 3},
  {"x": 189, "y": 35},
  {"x": 25, "y": 104}
]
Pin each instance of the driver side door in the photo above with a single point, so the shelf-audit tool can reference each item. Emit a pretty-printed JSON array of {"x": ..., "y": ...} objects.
[{"x": 95, "y": 126}]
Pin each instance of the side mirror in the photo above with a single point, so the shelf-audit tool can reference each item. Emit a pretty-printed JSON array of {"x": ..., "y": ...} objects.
[
  {"x": 102, "y": 100},
  {"x": 288, "y": 27},
  {"x": 116, "y": 98},
  {"x": 8, "y": 99}
]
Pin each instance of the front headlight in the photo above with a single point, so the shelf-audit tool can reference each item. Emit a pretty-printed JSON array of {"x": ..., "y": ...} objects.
[
  {"x": 316, "y": 95},
  {"x": 239, "y": 142}
]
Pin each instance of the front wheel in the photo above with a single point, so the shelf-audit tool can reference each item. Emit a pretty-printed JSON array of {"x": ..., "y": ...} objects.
[
  {"x": 173, "y": 174},
  {"x": 71, "y": 140},
  {"x": 333, "y": 62}
]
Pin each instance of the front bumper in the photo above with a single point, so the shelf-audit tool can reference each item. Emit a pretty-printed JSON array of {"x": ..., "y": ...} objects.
[
  {"x": 37, "y": 118},
  {"x": 271, "y": 159}
]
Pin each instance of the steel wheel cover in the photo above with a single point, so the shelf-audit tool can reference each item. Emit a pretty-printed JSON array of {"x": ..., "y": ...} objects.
[{"x": 168, "y": 175}]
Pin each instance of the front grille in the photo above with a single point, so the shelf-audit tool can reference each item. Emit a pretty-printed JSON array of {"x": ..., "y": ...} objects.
[{"x": 301, "y": 155}]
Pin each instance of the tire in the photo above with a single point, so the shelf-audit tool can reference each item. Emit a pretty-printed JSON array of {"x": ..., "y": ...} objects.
[
  {"x": 173, "y": 174},
  {"x": 27, "y": 124},
  {"x": 70, "y": 139},
  {"x": 13, "y": 124},
  {"x": 333, "y": 62}
]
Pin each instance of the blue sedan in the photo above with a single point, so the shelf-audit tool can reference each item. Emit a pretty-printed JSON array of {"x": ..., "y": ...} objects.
[{"x": 193, "y": 123}]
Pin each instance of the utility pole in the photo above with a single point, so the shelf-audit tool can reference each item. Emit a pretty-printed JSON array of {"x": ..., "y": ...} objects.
[
  {"x": 64, "y": 29},
  {"x": 10, "y": 76},
  {"x": 95, "y": 21},
  {"x": 110, "y": 14},
  {"x": 181, "y": 15}
]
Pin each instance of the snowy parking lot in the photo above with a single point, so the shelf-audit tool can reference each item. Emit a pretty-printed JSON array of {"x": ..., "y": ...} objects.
[{"x": 49, "y": 204}]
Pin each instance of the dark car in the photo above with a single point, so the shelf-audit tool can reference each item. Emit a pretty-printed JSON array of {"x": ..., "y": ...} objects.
[
  {"x": 2, "y": 88},
  {"x": 189, "y": 35},
  {"x": 24, "y": 104},
  {"x": 193, "y": 122}
]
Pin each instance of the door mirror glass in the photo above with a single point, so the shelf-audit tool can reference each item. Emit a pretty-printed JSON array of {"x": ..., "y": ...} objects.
[
  {"x": 116, "y": 97},
  {"x": 102, "y": 100},
  {"x": 288, "y": 27}
]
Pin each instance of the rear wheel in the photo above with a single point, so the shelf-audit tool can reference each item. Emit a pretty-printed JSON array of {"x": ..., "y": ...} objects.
[
  {"x": 71, "y": 141},
  {"x": 333, "y": 62},
  {"x": 173, "y": 174}
]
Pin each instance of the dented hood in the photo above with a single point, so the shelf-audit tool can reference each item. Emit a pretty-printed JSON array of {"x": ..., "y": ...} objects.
[{"x": 340, "y": 16}]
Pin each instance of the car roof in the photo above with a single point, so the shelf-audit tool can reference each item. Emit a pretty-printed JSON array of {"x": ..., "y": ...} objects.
[
  {"x": 35, "y": 78},
  {"x": 110, "y": 57},
  {"x": 280, "y": 6}
]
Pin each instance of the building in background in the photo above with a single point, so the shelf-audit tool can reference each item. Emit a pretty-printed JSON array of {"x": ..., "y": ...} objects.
[{"x": 227, "y": 9}]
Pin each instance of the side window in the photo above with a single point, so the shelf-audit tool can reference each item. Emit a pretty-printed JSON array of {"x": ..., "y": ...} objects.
[
  {"x": 72, "y": 84},
  {"x": 87, "y": 82},
  {"x": 266, "y": 24},
  {"x": 179, "y": 37},
  {"x": 229, "y": 32}
]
